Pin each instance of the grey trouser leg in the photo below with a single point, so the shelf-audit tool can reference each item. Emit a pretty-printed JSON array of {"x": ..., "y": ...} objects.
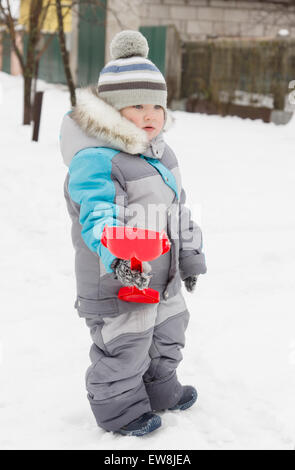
[
  {"x": 160, "y": 379},
  {"x": 134, "y": 357}
]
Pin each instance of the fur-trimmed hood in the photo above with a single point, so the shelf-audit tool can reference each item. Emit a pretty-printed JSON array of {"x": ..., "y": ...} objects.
[{"x": 95, "y": 123}]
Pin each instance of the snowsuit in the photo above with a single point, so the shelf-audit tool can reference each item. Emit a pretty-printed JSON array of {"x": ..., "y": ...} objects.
[{"x": 113, "y": 173}]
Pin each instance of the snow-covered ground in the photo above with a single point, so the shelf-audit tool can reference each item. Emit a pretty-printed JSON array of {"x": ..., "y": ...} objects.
[{"x": 240, "y": 351}]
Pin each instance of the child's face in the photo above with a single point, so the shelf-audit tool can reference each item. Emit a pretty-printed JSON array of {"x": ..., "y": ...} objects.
[{"x": 148, "y": 117}]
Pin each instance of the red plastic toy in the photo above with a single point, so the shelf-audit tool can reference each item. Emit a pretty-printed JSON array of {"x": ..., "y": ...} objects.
[{"x": 137, "y": 245}]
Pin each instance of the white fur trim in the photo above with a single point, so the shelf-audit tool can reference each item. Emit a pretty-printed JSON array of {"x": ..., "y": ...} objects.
[{"x": 101, "y": 120}]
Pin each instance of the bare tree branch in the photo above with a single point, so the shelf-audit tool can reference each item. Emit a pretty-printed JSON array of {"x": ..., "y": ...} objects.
[
  {"x": 64, "y": 52},
  {"x": 8, "y": 20},
  {"x": 34, "y": 24}
]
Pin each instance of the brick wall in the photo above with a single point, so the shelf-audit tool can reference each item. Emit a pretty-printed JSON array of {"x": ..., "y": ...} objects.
[{"x": 200, "y": 19}]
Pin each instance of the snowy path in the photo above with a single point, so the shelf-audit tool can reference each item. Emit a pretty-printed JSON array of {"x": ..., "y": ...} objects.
[{"x": 240, "y": 350}]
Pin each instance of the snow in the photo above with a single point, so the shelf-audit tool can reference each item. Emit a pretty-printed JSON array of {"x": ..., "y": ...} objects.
[{"x": 240, "y": 349}]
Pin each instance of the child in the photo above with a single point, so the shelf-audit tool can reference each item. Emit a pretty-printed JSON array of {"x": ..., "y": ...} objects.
[{"x": 121, "y": 172}]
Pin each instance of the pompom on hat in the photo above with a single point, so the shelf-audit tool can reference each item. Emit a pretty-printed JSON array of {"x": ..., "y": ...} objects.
[
  {"x": 129, "y": 43},
  {"x": 130, "y": 78}
]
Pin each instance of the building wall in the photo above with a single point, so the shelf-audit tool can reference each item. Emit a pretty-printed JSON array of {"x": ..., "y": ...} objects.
[
  {"x": 120, "y": 14},
  {"x": 201, "y": 19},
  {"x": 15, "y": 68}
]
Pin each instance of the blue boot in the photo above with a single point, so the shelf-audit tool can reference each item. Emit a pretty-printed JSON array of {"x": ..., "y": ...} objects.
[
  {"x": 188, "y": 398},
  {"x": 145, "y": 424}
]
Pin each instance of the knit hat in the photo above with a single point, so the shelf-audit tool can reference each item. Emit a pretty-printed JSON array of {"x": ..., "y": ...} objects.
[{"x": 130, "y": 78}]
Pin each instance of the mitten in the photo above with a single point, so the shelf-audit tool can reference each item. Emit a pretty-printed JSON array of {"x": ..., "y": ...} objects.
[
  {"x": 131, "y": 277},
  {"x": 190, "y": 283}
]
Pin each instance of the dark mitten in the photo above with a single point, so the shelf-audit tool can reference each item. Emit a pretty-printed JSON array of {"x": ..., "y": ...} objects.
[
  {"x": 190, "y": 283},
  {"x": 130, "y": 277}
]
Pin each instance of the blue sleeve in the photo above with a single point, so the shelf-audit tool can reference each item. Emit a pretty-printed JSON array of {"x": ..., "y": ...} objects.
[{"x": 91, "y": 186}]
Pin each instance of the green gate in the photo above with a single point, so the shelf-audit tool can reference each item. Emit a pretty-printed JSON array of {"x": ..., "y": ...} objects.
[
  {"x": 51, "y": 67},
  {"x": 156, "y": 37},
  {"x": 6, "y": 53},
  {"x": 91, "y": 54}
]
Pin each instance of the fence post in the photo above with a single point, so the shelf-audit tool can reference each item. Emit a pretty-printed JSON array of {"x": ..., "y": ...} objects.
[{"x": 37, "y": 114}]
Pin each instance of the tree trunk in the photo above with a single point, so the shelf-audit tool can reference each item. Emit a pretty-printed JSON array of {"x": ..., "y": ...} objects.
[
  {"x": 34, "y": 34},
  {"x": 27, "y": 99},
  {"x": 64, "y": 53}
]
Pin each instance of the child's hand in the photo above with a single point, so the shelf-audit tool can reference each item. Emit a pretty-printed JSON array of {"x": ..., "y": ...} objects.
[
  {"x": 130, "y": 277},
  {"x": 190, "y": 283}
]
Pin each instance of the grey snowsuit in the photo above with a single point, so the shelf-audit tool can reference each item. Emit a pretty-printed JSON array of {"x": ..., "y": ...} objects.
[{"x": 115, "y": 176}]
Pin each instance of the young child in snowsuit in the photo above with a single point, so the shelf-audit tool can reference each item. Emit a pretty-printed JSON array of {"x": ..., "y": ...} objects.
[{"x": 119, "y": 168}]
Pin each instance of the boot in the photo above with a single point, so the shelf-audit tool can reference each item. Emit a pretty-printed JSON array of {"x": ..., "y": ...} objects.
[
  {"x": 188, "y": 398},
  {"x": 145, "y": 424}
]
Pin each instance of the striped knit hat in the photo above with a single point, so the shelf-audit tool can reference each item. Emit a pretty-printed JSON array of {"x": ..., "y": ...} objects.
[{"x": 130, "y": 78}]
